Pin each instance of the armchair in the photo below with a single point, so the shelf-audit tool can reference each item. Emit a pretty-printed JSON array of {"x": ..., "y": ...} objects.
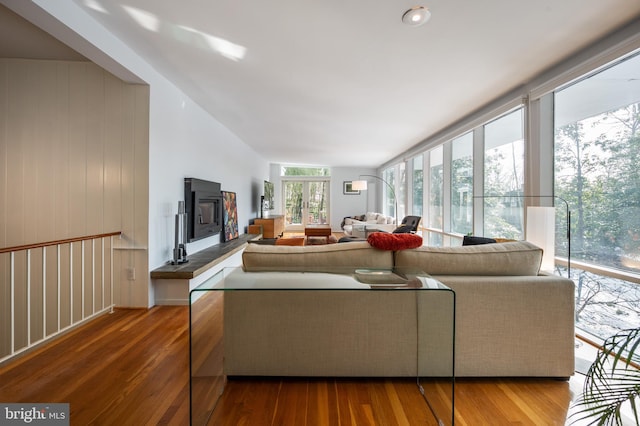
[{"x": 409, "y": 224}]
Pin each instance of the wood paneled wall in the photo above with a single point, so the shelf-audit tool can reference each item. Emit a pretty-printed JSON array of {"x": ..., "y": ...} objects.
[{"x": 74, "y": 161}]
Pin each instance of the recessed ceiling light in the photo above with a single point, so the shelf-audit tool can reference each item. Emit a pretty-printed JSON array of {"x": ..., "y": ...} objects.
[{"x": 416, "y": 16}]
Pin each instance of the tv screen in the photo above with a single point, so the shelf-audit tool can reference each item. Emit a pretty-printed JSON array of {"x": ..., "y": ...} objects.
[{"x": 268, "y": 196}]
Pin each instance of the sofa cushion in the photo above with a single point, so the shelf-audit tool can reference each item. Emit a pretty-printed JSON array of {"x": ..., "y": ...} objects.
[
  {"x": 315, "y": 258},
  {"x": 385, "y": 241},
  {"x": 370, "y": 216},
  {"x": 512, "y": 258}
]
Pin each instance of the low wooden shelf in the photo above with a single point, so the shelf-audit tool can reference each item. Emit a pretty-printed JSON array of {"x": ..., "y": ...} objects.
[
  {"x": 172, "y": 283},
  {"x": 272, "y": 226},
  {"x": 203, "y": 260}
]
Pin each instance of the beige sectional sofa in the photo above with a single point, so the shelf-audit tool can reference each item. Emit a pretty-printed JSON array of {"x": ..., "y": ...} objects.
[{"x": 510, "y": 319}]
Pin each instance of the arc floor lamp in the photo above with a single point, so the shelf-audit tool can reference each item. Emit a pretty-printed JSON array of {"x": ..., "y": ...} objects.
[{"x": 361, "y": 185}]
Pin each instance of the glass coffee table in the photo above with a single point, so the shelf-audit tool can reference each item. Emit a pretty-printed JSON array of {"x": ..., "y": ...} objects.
[
  {"x": 362, "y": 230},
  {"x": 427, "y": 304}
]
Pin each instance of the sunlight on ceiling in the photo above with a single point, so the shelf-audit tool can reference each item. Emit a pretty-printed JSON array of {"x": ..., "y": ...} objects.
[
  {"x": 229, "y": 50},
  {"x": 95, "y": 5},
  {"x": 146, "y": 20},
  {"x": 185, "y": 34}
]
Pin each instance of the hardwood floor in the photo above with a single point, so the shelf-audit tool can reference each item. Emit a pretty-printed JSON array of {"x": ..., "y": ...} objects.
[{"x": 131, "y": 368}]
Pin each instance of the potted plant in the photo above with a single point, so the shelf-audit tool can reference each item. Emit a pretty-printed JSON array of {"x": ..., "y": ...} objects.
[{"x": 613, "y": 381}]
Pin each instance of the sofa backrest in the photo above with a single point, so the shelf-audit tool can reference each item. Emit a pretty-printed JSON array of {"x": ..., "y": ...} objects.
[
  {"x": 315, "y": 258},
  {"x": 512, "y": 258}
]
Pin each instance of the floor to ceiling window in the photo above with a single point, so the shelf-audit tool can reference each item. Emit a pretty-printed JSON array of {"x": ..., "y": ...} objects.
[
  {"x": 462, "y": 184},
  {"x": 504, "y": 176},
  {"x": 388, "y": 193},
  {"x": 417, "y": 185},
  {"x": 597, "y": 153},
  {"x": 436, "y": 192},
  {"x": 401, "y": 191},
  {"x": 583, "y": 147}
]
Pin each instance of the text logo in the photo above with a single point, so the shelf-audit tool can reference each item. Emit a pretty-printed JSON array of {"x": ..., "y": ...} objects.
[{"x": 34, "y": 414}]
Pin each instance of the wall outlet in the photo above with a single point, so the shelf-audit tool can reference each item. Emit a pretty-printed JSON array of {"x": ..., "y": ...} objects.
[{"x": 131, "y": 274}]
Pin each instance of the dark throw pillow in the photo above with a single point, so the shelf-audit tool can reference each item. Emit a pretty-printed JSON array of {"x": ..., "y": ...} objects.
[
  {"x": 386, "y": 241},
  {"x": 469, "y": 240}
]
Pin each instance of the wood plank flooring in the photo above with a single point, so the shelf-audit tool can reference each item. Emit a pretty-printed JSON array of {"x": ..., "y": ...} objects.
[{"x": 132, "y": 368}]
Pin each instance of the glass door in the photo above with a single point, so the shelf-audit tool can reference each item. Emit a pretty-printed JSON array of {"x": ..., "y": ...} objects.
[{"x": 305, "y": 203}]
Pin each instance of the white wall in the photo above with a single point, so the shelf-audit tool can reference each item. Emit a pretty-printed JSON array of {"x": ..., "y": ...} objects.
[
  {"x": 183, "y": 139},
  {"x": 349, "y": 205},
  {"x": 187, "y": 142}
]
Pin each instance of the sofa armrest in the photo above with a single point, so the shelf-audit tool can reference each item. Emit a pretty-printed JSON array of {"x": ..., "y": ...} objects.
[{"x": 530, "y": 319}]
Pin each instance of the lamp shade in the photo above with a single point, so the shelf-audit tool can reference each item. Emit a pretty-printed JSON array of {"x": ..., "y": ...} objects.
[
  {"x": 541, "y": 232},
  {"x": 359, "y": 185}
]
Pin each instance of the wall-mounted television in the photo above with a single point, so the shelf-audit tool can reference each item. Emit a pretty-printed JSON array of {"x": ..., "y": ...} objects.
[{"x": 268, "y": 203}]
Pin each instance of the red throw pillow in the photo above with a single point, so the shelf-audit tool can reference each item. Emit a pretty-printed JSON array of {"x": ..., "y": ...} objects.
[{"x": 384, "y": 241}]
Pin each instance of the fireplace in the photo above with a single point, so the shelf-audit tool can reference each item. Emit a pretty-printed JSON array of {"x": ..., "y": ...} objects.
[{"x": 203, "y": 205}]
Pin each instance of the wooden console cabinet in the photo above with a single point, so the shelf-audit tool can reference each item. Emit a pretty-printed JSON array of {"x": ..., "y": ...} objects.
[{"x": 272, "y": 226}]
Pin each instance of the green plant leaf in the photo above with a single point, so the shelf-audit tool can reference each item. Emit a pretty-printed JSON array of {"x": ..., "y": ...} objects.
[{"x": 612, "y": 381}]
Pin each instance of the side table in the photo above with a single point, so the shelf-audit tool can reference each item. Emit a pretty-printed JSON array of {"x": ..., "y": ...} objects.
[{"x": 318, "y": 231}]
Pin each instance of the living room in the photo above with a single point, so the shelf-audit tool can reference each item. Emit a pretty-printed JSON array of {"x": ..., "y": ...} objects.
[
  {"x": 177, "y": 127},
  {"x": 168, "y": 126}
]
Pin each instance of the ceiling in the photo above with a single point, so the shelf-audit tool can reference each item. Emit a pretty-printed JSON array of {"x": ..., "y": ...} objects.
[{"x": 345, "y": 83}]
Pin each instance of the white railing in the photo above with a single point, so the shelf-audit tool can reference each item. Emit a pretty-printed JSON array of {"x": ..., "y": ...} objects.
[
  {"x": 52, "y": 287},
  {"x": 448, "y": 238}
]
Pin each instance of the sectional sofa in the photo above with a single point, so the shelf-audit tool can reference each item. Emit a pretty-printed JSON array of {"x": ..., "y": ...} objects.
[{"x": 510, "y": 320}]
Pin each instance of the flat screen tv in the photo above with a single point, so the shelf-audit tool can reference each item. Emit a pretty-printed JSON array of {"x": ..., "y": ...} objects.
[{"x": 268, "y": 203}]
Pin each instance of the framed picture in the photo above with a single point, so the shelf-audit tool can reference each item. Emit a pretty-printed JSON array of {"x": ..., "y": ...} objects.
[
  {"x": 229, "y": 216},
  {"x": 347, "y": 188}
]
